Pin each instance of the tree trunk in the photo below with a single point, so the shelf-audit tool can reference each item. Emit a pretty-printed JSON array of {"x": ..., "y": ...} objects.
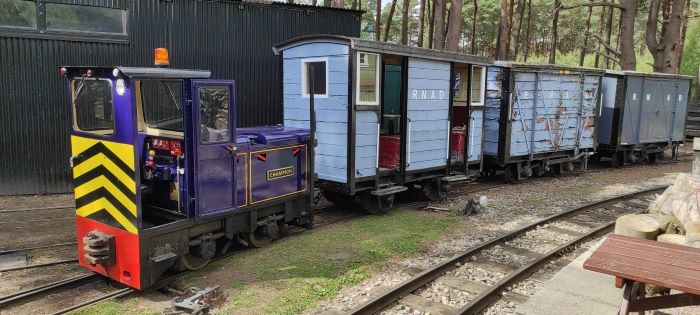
[
  {"x": 389, "y": 19},
  {"x": 339, "y": 3},
  {"x": 515, "y": 30},
  {"x": 314, "y": 2},
  {"x": 601, "y": 26},
  {"x": 290, "y": 1},
  {"x": 431, "y": 23},
  {"x": 503, "y": 27},
  {"x": 582, "y": 57},
  {"x": 327, "y": 3},
  {"x": 665, "y": 50},
  {"x": 555, "y": 35},
  {"x": 404, "y": 22},
  {"x": 353, "y": 5},
  {"x": 472, "y": 49},
  {"x": 421, "y": 23},
  {"x": 608, "y": 32},
  {"x": 455, "y": 26},
  {"x": 628, "y": 58},
  {"x": 377, "y": 21},
  {"x": 527, "y": 30},
  {"x": 684, "y": 29},
  {"x": 439, "y": 28}
]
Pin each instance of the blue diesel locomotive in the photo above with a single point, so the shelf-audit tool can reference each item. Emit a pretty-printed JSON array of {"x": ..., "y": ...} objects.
[{"x": 164, "y": 179}]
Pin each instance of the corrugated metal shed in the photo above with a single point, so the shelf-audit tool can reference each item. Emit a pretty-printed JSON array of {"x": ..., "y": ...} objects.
[{"x": 233, "y": 39}]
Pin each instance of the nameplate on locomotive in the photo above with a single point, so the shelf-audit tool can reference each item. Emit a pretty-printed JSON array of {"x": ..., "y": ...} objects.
[{"x": 280, "y": 172}]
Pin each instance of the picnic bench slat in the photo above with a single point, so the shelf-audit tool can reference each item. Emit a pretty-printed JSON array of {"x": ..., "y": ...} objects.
[
  {"x": 658, "y": 247},
  {"x": 679, "y": 261},
  {"x": 629, "y": 270},
  {"x": 668, "y": 265}
]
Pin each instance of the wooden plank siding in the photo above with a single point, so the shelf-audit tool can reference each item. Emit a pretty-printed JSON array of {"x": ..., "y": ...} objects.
[
  {"x": 331, "y": 111},
  {"x": 428, "y": 112}
]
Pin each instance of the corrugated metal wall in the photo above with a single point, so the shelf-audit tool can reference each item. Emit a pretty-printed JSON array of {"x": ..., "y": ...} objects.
[{"x": 232, "y": 39}]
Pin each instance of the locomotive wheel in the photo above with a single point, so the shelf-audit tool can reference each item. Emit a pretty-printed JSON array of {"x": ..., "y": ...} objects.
[
  {"x": 376, "y": 204},
  {"x": 190, "y": 262},
  {"x": 258, "y": 239}
]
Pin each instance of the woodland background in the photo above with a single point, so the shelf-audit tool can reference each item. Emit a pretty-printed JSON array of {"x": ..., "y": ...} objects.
[{"x": 641, "y": 35}]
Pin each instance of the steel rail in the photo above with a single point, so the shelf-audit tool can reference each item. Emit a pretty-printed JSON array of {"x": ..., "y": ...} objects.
[
  {"x": 109, "y": 296},
  {"x": 57, "y": 262},
  {"x": 427, "y": 276},
  {"x": 7, "y": 251},
  {"x": 36, "y": 209},
  {"x": 47, "y": 288}
]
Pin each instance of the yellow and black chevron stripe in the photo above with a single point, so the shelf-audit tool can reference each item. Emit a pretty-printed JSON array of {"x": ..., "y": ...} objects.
[{"x": 105, "y": 189}]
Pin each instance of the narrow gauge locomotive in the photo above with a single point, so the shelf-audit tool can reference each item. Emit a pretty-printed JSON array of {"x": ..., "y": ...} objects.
[
  {"x": 392, "y": 119},
  {"x": 643, "y": 115},
  {"x": 164, "y": 179},
  {"x": 539, "y": 118}
]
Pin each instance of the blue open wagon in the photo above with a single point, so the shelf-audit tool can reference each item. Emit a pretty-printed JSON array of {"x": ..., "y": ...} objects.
[
  {"x": 539, "y": 118},
  {"x": 643, "y": 115},
  {"x": 389, "y": 117}
]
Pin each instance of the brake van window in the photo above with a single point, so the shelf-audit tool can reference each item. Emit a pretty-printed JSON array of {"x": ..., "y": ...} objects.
[
  {"x": 213, "y": 106},
  {"x": 93, "y": 106}
]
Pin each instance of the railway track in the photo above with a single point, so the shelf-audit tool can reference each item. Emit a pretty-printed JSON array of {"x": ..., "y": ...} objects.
[
  {"x": 531, "y": 247},
  {"x": 326, "y": 217}
]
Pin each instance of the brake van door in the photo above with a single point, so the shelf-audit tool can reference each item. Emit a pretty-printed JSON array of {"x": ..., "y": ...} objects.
[{"x": 213, "y": 127}]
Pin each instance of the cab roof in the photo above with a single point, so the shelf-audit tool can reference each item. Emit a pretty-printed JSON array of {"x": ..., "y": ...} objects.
[{"x": 144, "y": 72}]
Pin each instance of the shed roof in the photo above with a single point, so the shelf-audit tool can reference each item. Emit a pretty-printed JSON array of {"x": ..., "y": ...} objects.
[
  {"x": 649, "y": 74},
  {"x": 383, "y": 48},
  {"x": 547, "y": 67}
]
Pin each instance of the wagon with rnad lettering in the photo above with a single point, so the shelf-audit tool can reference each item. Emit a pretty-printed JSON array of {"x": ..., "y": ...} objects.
[
  {"x": 643, "y": 115},
  {"x": 164, "y": 180},
  {"x": 390, "y": 118},
  {"x": 539, "y": 118}
]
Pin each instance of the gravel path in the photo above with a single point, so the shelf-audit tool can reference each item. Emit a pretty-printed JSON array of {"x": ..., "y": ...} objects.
[{"x": 510, "y": 207}]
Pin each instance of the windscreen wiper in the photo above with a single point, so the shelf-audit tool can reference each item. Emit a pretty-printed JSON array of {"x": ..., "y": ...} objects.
[{"x": 172, "y": 96}]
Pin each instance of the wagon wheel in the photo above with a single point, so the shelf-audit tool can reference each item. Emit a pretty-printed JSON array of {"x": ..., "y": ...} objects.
[
  {"x": 433, "y": 191},
  {"x": 376, "y": 204},
  {"x": 557, "y": 169},
  {"x": 512, "y": 174},
  {"x": 617, "y": 160},
  {"x": 651, "y": 158},
  {"x": 338, "y": 199}
]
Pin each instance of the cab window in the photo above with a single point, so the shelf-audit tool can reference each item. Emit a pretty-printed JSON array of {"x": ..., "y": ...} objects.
[
  {"x": 214, "y": 113},
  {"x": 162, "y": 104},
  {"x": 93, "y": 106}
]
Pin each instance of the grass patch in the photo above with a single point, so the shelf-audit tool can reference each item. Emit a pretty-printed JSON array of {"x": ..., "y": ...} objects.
[
  {"x": 588, "y": 190},
  {"x": 293, "y": 275},
  {"x": 112, "y": 307}
]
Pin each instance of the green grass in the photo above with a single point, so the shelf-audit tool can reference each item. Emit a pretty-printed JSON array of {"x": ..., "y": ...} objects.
[
  {"x": 312, "y": 267},
  {"x": 113, "y": 307},
  {"x": 293, "y": 275}
]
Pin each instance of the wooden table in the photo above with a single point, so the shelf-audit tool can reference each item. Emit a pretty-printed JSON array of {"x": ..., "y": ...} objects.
[{"x": 637, "y": 262}]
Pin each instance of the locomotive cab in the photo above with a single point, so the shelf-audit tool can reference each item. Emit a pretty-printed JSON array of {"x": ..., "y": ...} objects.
[{"x": 163, "y": 178}]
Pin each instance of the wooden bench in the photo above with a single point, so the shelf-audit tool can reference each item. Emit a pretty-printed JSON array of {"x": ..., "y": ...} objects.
[{"x": 638, "y": 262}]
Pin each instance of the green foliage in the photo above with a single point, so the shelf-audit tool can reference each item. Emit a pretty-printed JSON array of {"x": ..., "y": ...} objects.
[{"x": 17, "y": 13}]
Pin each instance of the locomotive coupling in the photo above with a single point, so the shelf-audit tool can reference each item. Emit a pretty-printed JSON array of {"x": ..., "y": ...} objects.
[{"x": 99, "y": 248}]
